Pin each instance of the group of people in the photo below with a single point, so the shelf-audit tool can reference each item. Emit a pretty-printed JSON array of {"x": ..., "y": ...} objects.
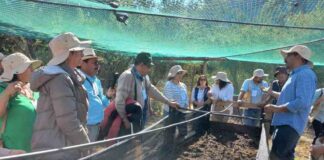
[{"x": 63, "y": 103}]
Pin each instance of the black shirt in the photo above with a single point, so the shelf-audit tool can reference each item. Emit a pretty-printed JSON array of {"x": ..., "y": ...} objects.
[{"x": 277, "y": 88}]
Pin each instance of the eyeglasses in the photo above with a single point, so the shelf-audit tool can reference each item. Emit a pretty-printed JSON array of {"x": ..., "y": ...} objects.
[{"x": 203, "y": 79}]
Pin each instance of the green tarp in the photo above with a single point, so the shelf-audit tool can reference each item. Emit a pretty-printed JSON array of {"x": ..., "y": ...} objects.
[{"x": 244, "y": 30}]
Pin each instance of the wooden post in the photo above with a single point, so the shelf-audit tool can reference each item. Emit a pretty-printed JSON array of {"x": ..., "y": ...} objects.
[{"x": 204, "y": 67}]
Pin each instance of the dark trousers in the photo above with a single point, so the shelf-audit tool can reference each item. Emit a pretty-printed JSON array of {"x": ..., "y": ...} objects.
[
  {"x": 202, "y": 124},
  {"x": 318, "y": 128},
  {"x": 284, "y": 141},
  {"x": 169, "y": 134},
  {"x": 176, "y": 117}
]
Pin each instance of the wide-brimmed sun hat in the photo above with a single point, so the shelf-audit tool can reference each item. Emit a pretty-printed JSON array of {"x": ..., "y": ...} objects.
[
  {"x": 89, "y": 53},
  {"x": 63, "y": 44},
  {"x": 174, "y": 70},
  {"x": 221, "y": 76},
  {"x": 17, "y": 63}
]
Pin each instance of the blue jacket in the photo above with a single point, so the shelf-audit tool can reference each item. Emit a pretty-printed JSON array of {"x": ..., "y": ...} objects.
[{"x": 97, "y": 100}]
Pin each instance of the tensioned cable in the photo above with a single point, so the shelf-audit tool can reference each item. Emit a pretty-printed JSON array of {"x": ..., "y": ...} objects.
[
  {"x": 221, "y": 114},
  {"x": 180, "y": 17}
]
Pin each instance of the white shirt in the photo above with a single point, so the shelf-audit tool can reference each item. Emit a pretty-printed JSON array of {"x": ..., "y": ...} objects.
[
  {"x": 320, "y": 111},
  {"x": 225, "y": 94},
  {"x": 200, "y": 95}
]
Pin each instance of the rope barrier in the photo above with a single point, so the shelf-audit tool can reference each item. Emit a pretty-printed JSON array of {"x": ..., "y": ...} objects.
[{"x": 222, "y": 114}]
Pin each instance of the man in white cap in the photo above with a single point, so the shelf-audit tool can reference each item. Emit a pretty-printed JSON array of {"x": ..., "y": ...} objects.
[
  {"x": 97, "y": 100},
  {"x": 294, "y": 102},
  {"x": 251, "y": 92},
  {"x": 2, "y": 56},
  {"x": 62, "y": 106}
]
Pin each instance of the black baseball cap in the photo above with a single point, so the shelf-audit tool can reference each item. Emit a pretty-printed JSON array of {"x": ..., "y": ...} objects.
[
  {"x": 144, "y": 58},
  {"x": 281, "y": 69}
]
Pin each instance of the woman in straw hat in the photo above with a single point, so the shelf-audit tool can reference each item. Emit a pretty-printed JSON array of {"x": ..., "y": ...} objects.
[
  {"x": 62, "y": 105},
  {"x": 222, "y": 90},
  {"x": 177, "y": 91},
  {"x": 17, "y": 101}
]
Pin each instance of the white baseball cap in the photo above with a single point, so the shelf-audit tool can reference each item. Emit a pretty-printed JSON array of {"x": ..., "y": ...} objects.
[
  {"x": 302, "y": 50},
  {"x": 259, "y": 73}
]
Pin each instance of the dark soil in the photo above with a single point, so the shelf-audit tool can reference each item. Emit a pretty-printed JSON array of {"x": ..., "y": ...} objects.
[{"x": 219, "y": 144}]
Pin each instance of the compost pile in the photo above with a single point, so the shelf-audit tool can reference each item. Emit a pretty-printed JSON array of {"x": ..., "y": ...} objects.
[{"x": 219, "y": 145}]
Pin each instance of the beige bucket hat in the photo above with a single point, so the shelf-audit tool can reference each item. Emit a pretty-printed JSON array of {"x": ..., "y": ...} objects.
[
  {"x": 259, "y": 73},
  {"x": 63, "y": 44},
  {"x": 174, "y": 70},
  {"x": 221, "y": 76},
  {"x": 89, "y": 53},
  {"x": 302, "y": 50},
  {"x": 17, "y": 63}
]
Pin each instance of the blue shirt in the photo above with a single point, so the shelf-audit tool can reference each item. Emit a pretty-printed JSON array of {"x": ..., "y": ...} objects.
[
  {"x": 97, "y": 100},
  {"x": 256, "y": 92},
  {"x": 297, "y": 94}
]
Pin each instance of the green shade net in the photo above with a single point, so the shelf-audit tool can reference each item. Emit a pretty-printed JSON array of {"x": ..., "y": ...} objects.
[{"x": 244, "y": 30}]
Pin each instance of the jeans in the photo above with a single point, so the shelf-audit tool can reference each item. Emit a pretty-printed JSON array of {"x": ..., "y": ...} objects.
[
  {"x": 93, "y": 132},
  {"x": 284, "y": 141},
  {"x": 254, "y": 113}
]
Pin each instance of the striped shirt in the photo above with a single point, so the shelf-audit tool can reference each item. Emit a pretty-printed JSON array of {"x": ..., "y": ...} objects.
[{"x": 176, "y": 92}]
